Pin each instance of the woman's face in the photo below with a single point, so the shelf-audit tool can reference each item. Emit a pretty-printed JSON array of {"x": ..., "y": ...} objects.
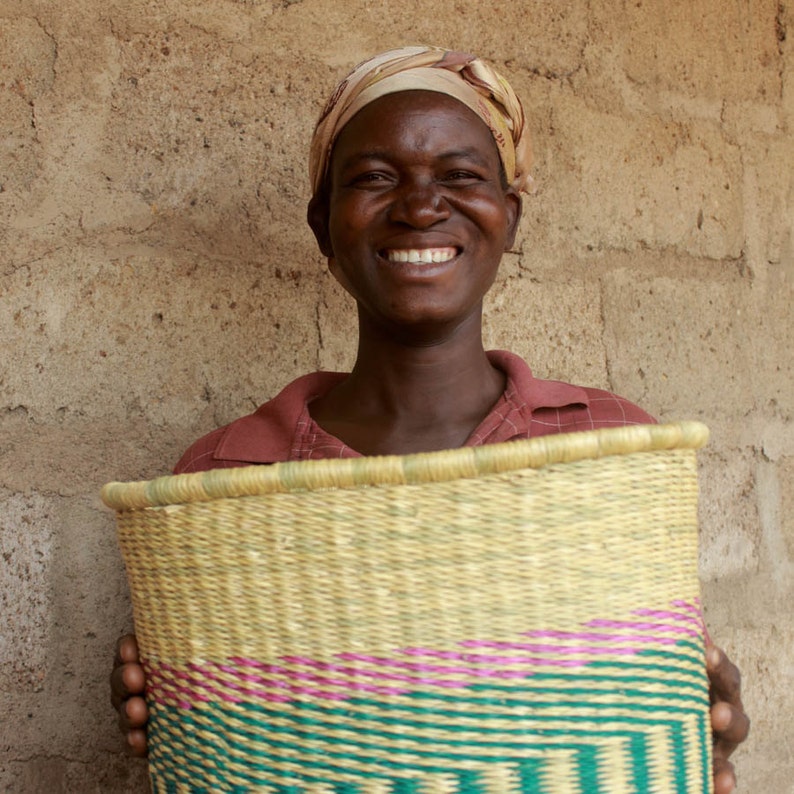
[{"x": 418, "y": 216}]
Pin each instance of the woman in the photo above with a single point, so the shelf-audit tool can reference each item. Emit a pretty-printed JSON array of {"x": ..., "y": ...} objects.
[{"x": 417, "y": 168}]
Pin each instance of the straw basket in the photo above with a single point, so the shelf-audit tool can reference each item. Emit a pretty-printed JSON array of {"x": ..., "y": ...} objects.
[{"x": 521, "y": 617}]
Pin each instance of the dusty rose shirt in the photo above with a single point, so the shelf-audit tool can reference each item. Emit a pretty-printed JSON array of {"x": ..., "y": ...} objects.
[{"x": 282, "y": 429}]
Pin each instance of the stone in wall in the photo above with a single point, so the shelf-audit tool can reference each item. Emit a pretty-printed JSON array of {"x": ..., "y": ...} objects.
[
  {"x": 769, "y": 208},
  {"x": 154, "y": 308},
  {"x": 19, "y": 158},
  {"x": 554, "y": 323},
  {"x": 786, "y": 473},
  {"x": 682, "y": 342},
  {"x": 623, "y": 181},
  {"x": 27, "y": 59},
  {"x": 728, "y": 487},
  {"x": 709, "y": 48},
  {"x": 26, "y": 593}
]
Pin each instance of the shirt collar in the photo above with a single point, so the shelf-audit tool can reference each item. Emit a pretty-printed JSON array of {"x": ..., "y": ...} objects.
[
  {"x": 266, "y": 436},
  {"x": 536, "y": 392}
]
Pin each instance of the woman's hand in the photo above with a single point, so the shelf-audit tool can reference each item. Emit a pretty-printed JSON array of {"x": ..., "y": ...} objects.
[
  {"x": 127, "y": 686},
  {"x": 729, "y": 724}
]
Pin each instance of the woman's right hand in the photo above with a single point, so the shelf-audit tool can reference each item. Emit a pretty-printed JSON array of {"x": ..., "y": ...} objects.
[{"x": 127, "y": 687}]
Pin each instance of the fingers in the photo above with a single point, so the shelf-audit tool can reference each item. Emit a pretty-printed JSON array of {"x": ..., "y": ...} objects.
[
  {"x": 724, "y": 778},
  {"x": 136, "y": 743},
  {"x": 724, "y": 676},
  {"x": 126, "y": 650},
  {"x": 728, "y": 719},
  {"x": 730, "y": 724},
  {"x": 126, "y": 681},
  {"x": 133, "y": 714},
  {"x": 127, "y": 685},
  {"x": 127, "y": 677}
]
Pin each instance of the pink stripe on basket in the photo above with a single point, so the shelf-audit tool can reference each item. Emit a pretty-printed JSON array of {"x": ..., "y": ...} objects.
[
  {"x": 364, "y": 672},
  {"x": 224, "y": 683},
  {"x": 204, "y": 680},
  {"x": 159, "y": 684},
  {"x": 593, "y": 637},
  {"x": 479, "y": 672},
  {"x": 690, "y": 607},
  {"x": 299, "y": 675},
  {"x": 239, "y": 678},
  {"x": 695, "y": 609},
  {"x": 663, "y": 615},
  {"x": 272, "y": 683},
  {"x": 162, "y": 684},
  {"x": 628, "y": 624},
  {"x": 587, "y": 650}
]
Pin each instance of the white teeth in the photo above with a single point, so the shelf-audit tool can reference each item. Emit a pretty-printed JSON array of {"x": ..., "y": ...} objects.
[{"x": 420, "y": 255}]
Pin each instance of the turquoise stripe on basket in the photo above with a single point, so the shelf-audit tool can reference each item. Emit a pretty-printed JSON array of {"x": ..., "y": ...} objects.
[
  {"x": 305, "y": 721},
  {"x": 317, "y": 763},
  {"x": 318, "y": 723}
]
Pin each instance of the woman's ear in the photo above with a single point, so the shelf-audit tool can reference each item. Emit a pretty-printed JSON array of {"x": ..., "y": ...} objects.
[
  {"x": 514, "y": 209},
  {"x": 317, "y": 216}
]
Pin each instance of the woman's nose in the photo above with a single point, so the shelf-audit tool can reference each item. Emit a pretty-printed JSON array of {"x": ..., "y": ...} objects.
[{"x": 419, "y": 204}]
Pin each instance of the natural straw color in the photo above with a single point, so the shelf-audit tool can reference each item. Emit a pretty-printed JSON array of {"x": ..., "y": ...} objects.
[
  {"x": 521, "y": 617},
  {"x": 402, "y": 469}
]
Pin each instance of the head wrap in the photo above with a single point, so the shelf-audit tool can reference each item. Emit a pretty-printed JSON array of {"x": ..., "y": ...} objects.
[{"x": 456, "y": 74}]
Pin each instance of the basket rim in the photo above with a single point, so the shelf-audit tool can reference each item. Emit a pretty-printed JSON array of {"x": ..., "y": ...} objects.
[{"x": 415, "y": 468}]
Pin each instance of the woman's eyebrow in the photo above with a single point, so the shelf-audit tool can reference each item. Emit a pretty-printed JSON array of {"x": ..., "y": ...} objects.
[
  {"x": 472, "y": 153},
  {"x": 367, "y": 154}
]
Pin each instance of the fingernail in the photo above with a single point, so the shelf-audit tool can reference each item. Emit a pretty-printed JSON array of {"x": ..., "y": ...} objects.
[{"x": 713, "y": 656}]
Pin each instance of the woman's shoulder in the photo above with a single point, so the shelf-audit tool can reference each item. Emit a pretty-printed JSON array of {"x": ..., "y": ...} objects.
[
  {"x": 608, "y": 407},
  {"x": 264, "y": 436},
  {"x": 200, "y": 455},
  {"x": 561, "y": 406},
  {"x": 593, "y": 409}
]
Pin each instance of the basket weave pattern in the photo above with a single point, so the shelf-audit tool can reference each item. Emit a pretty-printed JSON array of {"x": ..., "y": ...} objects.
[{"x": 514, "y": 618}]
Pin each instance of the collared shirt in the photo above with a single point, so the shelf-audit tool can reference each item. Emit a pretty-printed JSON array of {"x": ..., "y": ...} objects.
[{"x": 282, "y": 429}]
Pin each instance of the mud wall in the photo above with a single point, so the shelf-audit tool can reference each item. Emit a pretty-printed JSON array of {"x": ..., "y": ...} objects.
[{"x": 157, "y": 279}]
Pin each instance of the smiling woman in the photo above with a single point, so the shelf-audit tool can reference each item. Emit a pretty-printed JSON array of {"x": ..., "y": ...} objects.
[
  {"x": 417, "y": 219},
  {"x": 417, "y": 165},
  {"x": 414, "y": 227}
]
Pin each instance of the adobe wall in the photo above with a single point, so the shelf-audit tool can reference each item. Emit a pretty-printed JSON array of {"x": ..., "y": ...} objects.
[{"x": 157, "y": 279}]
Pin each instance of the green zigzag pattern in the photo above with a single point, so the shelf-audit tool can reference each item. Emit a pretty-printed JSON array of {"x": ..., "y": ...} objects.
[{"x": 188, "y": 762}]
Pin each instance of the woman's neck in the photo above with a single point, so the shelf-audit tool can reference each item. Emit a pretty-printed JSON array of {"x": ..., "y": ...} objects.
[{"x": 402, "y": 398}]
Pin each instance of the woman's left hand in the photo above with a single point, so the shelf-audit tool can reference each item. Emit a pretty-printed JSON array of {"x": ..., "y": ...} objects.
[{"x": 729, "y": 723}]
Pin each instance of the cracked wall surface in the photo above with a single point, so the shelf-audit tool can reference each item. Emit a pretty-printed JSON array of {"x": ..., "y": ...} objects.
[{"x": 157, "y": 279}]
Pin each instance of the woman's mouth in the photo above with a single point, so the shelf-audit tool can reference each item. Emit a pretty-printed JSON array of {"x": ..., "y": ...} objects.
[{"x": 424, "y": 256}]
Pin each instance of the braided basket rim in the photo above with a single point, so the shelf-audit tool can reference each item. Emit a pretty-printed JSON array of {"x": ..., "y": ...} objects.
[{"x": 415, "y": 468}]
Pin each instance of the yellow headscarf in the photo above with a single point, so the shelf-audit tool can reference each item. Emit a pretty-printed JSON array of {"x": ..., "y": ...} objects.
[{"x": 464, "y": 77}]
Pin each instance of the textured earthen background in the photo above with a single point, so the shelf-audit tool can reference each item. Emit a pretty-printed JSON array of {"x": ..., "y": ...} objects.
[{"x": 158, "y": 279}]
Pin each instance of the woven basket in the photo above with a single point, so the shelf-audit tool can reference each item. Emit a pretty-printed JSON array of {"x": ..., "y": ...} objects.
[{"x": 520, "y": 617}]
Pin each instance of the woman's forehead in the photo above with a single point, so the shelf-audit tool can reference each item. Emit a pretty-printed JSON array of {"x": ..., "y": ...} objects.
[{"x": 414, "y": 119}]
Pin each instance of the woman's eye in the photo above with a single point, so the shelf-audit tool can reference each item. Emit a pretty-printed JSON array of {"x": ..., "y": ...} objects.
[
  {"x": 462, "y": 176},
  {"x": 369, "y": 178}
]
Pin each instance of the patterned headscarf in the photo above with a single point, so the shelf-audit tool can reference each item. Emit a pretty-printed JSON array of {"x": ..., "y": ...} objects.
[{"x": 461, "y": 76}]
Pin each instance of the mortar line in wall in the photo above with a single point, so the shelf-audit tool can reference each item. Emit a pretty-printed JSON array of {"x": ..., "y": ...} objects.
[
  {"x": 604, "y": 350},
  {"x": 320, "y": 338}
]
